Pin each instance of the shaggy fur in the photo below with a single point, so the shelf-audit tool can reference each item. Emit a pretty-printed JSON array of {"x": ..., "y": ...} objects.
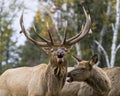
[
  {"x": 83, "y": 89},
  {"x": 22, "y": 81},
  {"x": 94, "y": 86},
  {"x": 41, "y": 80},
  {"x": 99, "y": 81},
  {"x": 96, "y": 82},
  {"x": 114, "y": 75}
]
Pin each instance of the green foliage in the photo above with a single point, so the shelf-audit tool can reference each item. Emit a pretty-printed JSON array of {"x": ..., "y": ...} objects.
[
  {"x": 97, "y": 10},
  {"x": 8, "y": 53},
  {"x": 30, "y": 55}
]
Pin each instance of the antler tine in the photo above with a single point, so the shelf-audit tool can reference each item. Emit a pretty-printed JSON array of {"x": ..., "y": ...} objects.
[
  {"x": 83, "y": 32},
  {"x": 50, "y": 35},
  {"x": 76, "y": 35},
  {"x": 65, "y": 35},
  {"x": 40, "y": 36},
  {"x": 76, "y": 58},
  {"x": 42, "y": 44}
]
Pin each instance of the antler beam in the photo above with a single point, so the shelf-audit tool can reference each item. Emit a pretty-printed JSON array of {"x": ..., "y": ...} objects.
[
  {"x": 83, "y": 32},
  {"x": 46, "y": 42}
]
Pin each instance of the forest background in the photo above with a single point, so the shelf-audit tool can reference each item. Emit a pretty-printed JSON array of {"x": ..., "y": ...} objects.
[{"x": 60, "y": 15}]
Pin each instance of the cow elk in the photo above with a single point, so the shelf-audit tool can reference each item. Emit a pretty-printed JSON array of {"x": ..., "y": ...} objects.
[
  {"x": 114, "y": 75},
  {"x": 83, "y": 89},
  {"x": 43, "y": 79},
  {"x": 92, "y": 75}
]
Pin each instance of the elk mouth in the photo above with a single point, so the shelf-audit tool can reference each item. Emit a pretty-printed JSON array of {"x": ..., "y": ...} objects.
[
  {"x": 69, "y": 79},
  {"x": 60, "y": 55}
]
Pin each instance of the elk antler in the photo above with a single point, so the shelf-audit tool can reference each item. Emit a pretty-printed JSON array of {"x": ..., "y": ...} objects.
[
  {"x": 65, "y": 35},
  {"x": 46, "y": 42},
  {"x": 85, "y": 30},
  {"x": 49, "y": 43}
]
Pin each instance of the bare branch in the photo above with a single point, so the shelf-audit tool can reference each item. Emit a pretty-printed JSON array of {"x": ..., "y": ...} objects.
[
  {"x": 113, "y": 27},
  {"x": 105, "y": 53},
  {"x": 118, "y": 47}
]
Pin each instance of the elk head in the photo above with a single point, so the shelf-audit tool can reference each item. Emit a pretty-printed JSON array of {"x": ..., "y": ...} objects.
[
  {"x": 58, "y": 51},
  {"x": 83, "y": 69}
]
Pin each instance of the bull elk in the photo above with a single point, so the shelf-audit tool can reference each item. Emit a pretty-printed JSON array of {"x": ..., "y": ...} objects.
[
  {"x": 43, "y": 79},
  {"x": 92, "y": 76}
]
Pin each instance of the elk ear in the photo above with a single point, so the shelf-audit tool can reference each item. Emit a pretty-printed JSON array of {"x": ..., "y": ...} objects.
[
  {"x": 94, "y": 59},
  {"x": 76, "y": 58}
]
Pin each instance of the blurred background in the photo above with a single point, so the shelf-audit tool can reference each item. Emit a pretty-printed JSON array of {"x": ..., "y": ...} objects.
[{"x": 60, "y": 15}]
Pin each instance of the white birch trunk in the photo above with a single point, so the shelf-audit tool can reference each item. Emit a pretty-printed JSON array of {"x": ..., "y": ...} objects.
[
  {"x": 104, "y": 28},
  {"x": 102, "y": 33},
  {"x": 79, "y": 53},
  {"x": 77, "y": 45},
  {"x": 104, "y": 52},
  {"x": 115, "y": 34}
]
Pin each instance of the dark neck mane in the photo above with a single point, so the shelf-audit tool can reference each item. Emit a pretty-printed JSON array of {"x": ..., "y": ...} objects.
[
  {"x": 55, "y": 77},
  {"x": 99, "y": 81}
]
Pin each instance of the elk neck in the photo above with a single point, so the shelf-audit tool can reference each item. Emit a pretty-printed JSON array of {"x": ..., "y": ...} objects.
[
  {"x": 56, "y": 76},
  {"x": 99, "y": 81}
]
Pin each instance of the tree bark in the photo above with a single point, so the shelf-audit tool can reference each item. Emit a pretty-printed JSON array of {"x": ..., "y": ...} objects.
[
  {"x": 115, "y": 34},
  {"x": 102, "y": 33}
]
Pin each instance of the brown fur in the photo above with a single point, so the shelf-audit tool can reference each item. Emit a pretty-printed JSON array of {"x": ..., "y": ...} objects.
[
  {"x": 41, "y": 80},
  {"x": 83, "y": 89},
  {"x": 99, "y": 81},
  {"x": 114, "y": 75},
  {"x": 51, "y": 79},
  {"x": 96, "y": 82}
]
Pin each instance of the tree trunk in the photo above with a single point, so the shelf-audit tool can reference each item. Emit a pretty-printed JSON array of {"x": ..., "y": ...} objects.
[
  {"x": 115, "y": 34},
  {"x": 102, "y": 33},
  {"x": 78, "y": 49}
]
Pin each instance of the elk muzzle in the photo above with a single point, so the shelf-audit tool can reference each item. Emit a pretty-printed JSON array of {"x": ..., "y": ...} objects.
[
  {"x": 69, "y": 77},
  {"x": 60, "y": 53}
]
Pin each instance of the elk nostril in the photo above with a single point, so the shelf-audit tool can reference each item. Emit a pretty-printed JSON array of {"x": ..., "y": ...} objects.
[{"x": 60, "y": 55}]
